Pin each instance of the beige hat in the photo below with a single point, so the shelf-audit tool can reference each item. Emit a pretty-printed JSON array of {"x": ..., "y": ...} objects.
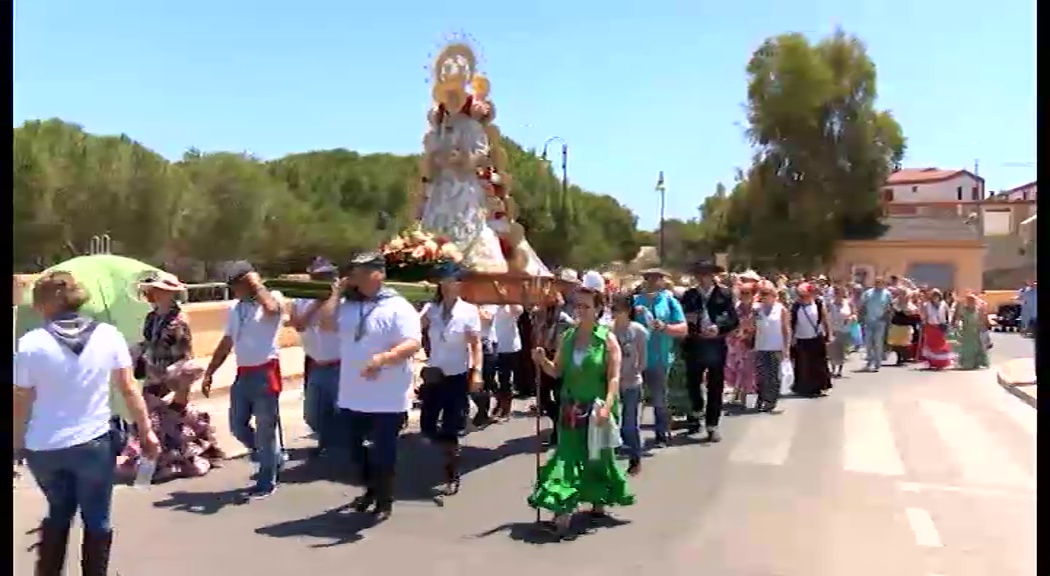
[
  {"x": 749, "y": 276},
  {"x": 568, "y": 275},
  {"x": 655, "y": 272},
  {"x": 162, "y": 280}
]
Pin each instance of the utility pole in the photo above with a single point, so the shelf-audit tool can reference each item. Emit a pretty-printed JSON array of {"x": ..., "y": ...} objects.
[{"x": 663, "y": 193}]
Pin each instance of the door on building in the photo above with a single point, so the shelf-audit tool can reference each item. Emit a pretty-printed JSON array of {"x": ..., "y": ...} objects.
[{"x": 933, "y": 274}]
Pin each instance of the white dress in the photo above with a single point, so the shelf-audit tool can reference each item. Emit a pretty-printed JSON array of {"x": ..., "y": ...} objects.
[{"x": 455, "y": 203}]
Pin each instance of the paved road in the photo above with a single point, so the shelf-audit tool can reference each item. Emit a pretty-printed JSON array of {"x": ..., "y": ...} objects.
[
  {"x": 1009, "y": 346},
  {"x": 904, "y": 472}
]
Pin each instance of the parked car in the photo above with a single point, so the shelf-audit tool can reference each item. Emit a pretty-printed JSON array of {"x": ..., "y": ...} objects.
[{"x": 1008, "y": 317}]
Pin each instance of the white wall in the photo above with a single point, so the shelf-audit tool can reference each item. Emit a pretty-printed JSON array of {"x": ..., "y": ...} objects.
[
  {"x": 944, "y": 191},
  {"x": 998, "y": 223}
]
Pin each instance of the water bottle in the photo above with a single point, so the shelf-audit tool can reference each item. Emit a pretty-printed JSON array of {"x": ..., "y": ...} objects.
[{"x": 144, "y": 474}]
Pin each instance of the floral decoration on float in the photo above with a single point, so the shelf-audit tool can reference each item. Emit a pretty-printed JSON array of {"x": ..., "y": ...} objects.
[{"x": 413, "y": 255}]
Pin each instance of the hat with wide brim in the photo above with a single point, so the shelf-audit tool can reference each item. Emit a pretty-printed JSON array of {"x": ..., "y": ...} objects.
[
  {"x": 321, "y": 266},
  {"x": 655, "y": 272},
  {"x": 705, "y": 266},
  {"x": 568, "y": 275},
  {"x": 161, "y": 280},
  {"x": 749, "y": 276}
]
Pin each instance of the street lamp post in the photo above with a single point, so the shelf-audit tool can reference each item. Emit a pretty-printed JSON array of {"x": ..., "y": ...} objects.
[{"x": 564, "y": 169}]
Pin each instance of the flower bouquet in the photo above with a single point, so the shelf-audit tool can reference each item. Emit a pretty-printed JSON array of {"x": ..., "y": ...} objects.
[{"x": 413, "y": 255}]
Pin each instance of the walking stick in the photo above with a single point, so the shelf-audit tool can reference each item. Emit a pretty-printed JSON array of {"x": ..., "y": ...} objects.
[{"x": 535, "y": 315}]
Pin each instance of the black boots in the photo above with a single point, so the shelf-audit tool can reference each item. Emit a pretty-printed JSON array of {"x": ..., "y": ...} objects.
[
  {"x": 384, "y": 497},
  {"x": 51, "y": 550},
  {"x": 365, "y": 501},
  {"x": 94, "y": 553},
  {"x": 451, "y": 469}
]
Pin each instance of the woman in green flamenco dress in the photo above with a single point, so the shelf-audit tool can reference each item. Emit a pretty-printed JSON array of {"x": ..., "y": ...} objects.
[
  {"x": 972, "y": 322},
  {"x": 588, "y": 361}
]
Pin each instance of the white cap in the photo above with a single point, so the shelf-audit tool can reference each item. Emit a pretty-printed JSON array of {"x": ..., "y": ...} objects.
[{"x": 592, "y": 281}]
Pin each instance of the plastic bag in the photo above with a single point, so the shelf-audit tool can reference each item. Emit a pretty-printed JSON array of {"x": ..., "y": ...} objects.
[
  {"x": 856, "y": 335},
  {"x": 787, "y": 376}
]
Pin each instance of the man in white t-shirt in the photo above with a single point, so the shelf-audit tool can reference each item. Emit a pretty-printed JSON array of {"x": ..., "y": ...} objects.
[
  {"x": 321, "y": 374},
  {"x": 508, "y": 348},
  {"x": 379, "y": 333},
  {"x": 63, "y": 420},
  {"x": 251, "y": 334}
]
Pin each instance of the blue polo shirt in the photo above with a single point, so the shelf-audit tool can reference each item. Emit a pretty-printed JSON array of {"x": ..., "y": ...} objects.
[{"x": 664, "y": 307}]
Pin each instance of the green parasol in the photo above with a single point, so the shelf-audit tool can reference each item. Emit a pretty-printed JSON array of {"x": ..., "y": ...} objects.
[{"x": 112, "y": 281}]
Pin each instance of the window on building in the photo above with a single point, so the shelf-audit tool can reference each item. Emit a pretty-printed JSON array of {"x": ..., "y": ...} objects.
[
  {"x": 914, "y": 188},
  {"x": 1025, "y": 195},
  {"x": 958, "y": 193},
  {"x": 974, "y": 194},
  {"x": 887, "y": 195}
]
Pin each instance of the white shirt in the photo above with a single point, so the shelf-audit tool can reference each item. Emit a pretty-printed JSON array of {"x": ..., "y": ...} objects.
[
  {"x": 807, "y": 323},
  {"x": 936, "y": 313},
  {"x": 254, "y": 334},
  {"x": 837, "y": 315},
  {"x": 508, "y": 339},
  {"x": 448, "y": 340},
  {"x": 72, "y": 404},
  {"x": 490, "y": 333},
  {"x": 381, "y": 326},
  {"x": 769, "y": 329},
  {"x": 318, "y": 344}
]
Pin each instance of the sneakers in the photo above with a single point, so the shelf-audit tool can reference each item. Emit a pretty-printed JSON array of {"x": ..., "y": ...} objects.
[{"x": 713, "y": 435}]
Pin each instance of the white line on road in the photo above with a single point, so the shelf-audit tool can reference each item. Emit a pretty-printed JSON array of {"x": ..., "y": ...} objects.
[
  {"x": 868, "y": 446},
  {"x": 922, "y": 526},
  {"x": 980, "y": 458},
  {"x": 917, "y": 487},
  {"x": 767, "y": 440}
]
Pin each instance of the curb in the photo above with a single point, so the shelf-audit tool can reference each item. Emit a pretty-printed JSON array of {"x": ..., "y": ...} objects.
[{"x": 1014, "y": 388}]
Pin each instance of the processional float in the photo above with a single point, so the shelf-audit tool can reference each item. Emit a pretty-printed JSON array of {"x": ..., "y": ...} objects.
[{"x": 466, "y": 209}]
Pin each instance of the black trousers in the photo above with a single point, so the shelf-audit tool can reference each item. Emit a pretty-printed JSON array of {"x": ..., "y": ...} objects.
[{"x": 711, "y": 406}]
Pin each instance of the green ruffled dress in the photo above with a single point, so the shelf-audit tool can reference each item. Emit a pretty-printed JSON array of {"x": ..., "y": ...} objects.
[
  {"x": 569, "y": 477},
  {"x": 971, "y": 351}
]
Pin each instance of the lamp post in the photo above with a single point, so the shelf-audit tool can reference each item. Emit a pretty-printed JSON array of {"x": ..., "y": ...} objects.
[{"x": 564, "y": 170}]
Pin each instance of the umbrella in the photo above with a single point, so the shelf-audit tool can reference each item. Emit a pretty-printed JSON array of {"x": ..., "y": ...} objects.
[{"x": 112, "y": 281}]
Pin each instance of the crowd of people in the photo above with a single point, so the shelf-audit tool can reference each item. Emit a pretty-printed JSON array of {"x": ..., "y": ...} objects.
[{"x": 599, "y": 352}]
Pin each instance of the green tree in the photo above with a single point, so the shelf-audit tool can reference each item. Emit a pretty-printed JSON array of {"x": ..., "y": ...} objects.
[{"x": 822, "y": 149}]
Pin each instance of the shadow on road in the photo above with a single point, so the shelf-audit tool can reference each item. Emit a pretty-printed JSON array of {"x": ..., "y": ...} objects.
[
  {"x": 204, "y": 503},
  {"x": 539, "y": 533},
  {"x": 339, "y": 526}
]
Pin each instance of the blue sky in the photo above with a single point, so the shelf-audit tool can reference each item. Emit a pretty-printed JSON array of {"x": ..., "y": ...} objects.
[{"x": 634, "y": 87}]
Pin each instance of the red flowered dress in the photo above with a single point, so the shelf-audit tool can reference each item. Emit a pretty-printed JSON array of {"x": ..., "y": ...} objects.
[{"x": 740, "y": 359}]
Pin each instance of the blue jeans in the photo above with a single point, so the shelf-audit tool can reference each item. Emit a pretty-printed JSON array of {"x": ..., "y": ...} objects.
[
  {"x": 631, "y": 407},
  {"x": 319, "y": 408},
  {"x": 874, "y": 339},
  {"x": 79, "y": 477},
  {"x": 251, "y": 397},
  {"x": 655, "y": 381}
]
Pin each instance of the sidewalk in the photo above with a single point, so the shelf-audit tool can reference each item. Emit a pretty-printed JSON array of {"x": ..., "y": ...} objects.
[{"x": 1018, "y": 378}]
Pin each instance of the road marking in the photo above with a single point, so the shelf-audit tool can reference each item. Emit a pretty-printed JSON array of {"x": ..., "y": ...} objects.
[
  {"x": 917, "y": 487},
  {"x": 923, "y": 528},
  {"x": 767, "y": 440},
  {"x": 868, "y": 445},
  {"x": 978, "y": 455}
]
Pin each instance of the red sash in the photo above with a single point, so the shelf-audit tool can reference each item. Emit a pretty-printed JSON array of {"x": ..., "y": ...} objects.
[{"x": 273, "y": 374}]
